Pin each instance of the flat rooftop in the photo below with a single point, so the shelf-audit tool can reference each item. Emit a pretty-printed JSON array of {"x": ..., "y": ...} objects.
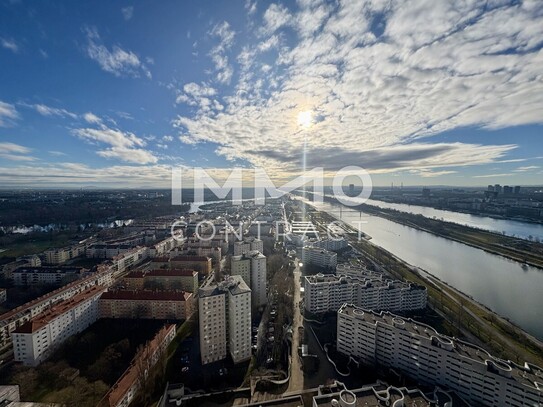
[{"x": 527, "y": 375}]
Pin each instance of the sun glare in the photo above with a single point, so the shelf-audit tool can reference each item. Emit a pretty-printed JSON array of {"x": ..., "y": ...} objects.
[{"x": 304, "y": 119}]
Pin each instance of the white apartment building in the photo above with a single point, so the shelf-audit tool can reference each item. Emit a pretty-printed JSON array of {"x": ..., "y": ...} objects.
[
  {"x": 247, "y": 245},
  {"x": 419, "y": 352},
  {"x": 329, "y": 244},
  {"x": 34, "y": 341},
  {"x": 258, "y": 278},
  {"x": 18, "y": 316},
  {"x": 63, "y": 254},
  {"x": 225, "y": 320},
  {"x": 327, "y": 293},
  {"x": 318, "y": 257},
  {"x": 241, "y": 266},
  {"x": 29, "y": 276}
]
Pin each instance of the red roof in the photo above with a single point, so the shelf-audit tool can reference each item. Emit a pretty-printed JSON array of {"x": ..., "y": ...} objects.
[
  {"x": 145, "y": 295},
  {"x": 171, "y": 272}
]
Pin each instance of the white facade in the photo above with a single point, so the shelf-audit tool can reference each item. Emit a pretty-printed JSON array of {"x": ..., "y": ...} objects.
[
  {"x": 34, "y": 341},
  {"x": 318, "y": 257},
  {"x": 241, "y": 266},
  {"x": 225, "y": 320},
  {"x": 258, "y": 278},
  {"x": 329, "y": 244},
  {"x": 327, "y": 293},
  {"x": 63, "y": 254},
  {"x": 239, "y": 321},
  {"x": 430, "y": 358},
  {"x": 247, "y": 245},
  {"x": 18, "y": 316},
  {"x": 29, "y": 276}
]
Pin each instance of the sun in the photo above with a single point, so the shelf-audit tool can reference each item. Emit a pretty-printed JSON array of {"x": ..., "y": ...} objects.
[{"x": 305, "y": 119}]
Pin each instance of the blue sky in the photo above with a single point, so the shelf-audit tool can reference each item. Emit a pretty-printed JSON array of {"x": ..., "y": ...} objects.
[{"x": 420, "y": 92}]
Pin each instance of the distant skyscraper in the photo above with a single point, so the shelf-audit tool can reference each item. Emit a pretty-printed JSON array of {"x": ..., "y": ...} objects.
[{"x": 517, "y": 190}]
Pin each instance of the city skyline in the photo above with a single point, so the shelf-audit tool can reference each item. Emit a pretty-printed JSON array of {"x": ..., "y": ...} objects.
[{"x": 427, "y": 93}]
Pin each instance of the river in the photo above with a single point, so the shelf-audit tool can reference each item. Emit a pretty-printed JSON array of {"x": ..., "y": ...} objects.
[
  {"x": 511, "y": 227},
  {"x": 503, "y": 285}
]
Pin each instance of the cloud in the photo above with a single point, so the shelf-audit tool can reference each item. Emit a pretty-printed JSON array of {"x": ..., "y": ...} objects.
[
  {"x": 275, "y": 17},
  {"x": 57, "y": 153},
  {"x": 52, "y": 111},
  {"x": 218, "y": 53},
  {"x": 66, "y": 174},
  {"x": 9, "y": 44},
  {"x": 8, "y": 114},
  {"x": 15, "y": 152},
  {"x": 92, "y": 118},
  {"x": 167, "y": 138},
  {"x": 127, "y": 12},
  {"x": 381, "y": 79},
  {"x": 123, "y": 145},
  {"x": 116, "y": 60},
  {"x": 527, "y": 168},
  {"x": 493, "y": 175}
]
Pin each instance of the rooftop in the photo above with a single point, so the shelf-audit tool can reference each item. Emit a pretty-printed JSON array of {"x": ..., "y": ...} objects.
[
  {"x": 529, "y": 375},
  {"x": 145, "y": 295},
  {"x": 130, "y": 375},
  {"x": 49, "y": 315}
]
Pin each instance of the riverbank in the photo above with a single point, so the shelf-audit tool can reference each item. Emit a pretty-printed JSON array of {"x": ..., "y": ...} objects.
[{"x": 464, "y": 315}]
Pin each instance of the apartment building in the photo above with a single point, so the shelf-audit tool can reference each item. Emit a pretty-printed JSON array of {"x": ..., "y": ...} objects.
[
  {"x": 107, "y": 251},
  {"x": 381, "y": 394},
  {"x": 24, "y": 313},
  {"x": 225, "y": 320},
  {"x": 202, "y": 264},
  {"x": 131, "y": 258},
  {"x": 34, "y": 341},
  {"x": 168, "y": 279},
  {"x": 146, "y": 304},
  {"x": 123, "y": 392},
  {"x": 63, "y": 254},
  {"x": 241, "y": 266},
  {"x": 419, "y": 352},
  {"x": 247, "y": 245},
  {"x": 319, "y": 257},
  {"x": 3, "y": 295},
  {"x": 258, "y": 278},
  {"x": 165, "y": 246},
  {"x": 215, "y": 253},
  {"x": 29, "y": 276},
  {"x": 329, "y": 244},
  {"x": 327, "y": 293}
]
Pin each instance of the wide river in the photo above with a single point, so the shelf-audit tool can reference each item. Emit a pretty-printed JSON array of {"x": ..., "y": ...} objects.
[
  {"x": 501, "y": 284},
  {"x": 511, "y": 227}
]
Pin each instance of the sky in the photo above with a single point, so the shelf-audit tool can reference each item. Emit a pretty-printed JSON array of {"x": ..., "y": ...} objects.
[{"x": 424, "y": 92}]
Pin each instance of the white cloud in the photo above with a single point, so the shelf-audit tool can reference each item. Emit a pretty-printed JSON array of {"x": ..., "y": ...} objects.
[
  {"x": 52, "y": 111},
  {"x": 527, "y": 168},
  {"x": 275, "y": 17},
  {"x": 123, "y": 145},
  {"x": 9, "y": 44},
  {"x": 15, "y": 152},
  {"x": 6, "y": 147},
  {"x": 92, "y": 118},
  {"x": 8, "y": 114},
  {"x": 218, "y": 53},
  {"x": 167, "y": 138},
  {"x": 127, "y": 12},
  {"x": 117, "y": 61},
  {"x": 380, "y": 78}
]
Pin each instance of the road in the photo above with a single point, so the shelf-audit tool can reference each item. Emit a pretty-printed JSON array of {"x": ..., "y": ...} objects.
[{"x": 297, "y": 375}]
